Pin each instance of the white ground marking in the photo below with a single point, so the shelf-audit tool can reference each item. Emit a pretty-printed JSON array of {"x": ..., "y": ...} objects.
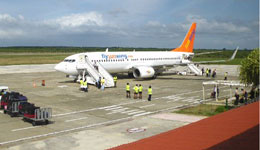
[
  {"x": 187, "y": 100},
  {"x": 98, "y": 108},
  {"x": 1, "y": 111},
  {"x": 113, "y": 108},
  {"x": 14, "y": 130},
  {"x": 138, "y": 101},
  {"x": 108, "y": 106},
  {"x": 76, "y": 119},
  {"x": 142, "y": 114},
  {"x": 173, "y": 100},
  {"x": 117, "y": 111},
  {"x": 132, "y": 113},
  {"x": 147, "y": 106},
  {"x": 125, "y": 112}
]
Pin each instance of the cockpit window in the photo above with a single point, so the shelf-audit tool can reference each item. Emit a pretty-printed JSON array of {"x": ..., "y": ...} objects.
[{"x": 69, "y": 60}]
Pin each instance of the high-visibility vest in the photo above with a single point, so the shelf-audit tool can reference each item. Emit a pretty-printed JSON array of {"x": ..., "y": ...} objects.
[
  {"x": 85, "y": 83},
  {"x": 150, "y": 91},
  {"x": 81, "y": 82},
  {"x": 127, "y": 88},
  {"x": 136, "y": 89},
  {"x": 102, "y": 81},
  {"x": 115, "y": 78},
  {"x": 140, "y": 88},
  {"x": 225, "y": 74}
]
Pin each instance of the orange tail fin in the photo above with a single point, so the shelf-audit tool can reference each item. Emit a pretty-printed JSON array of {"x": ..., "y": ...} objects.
[{"x": 187, "y": 44}]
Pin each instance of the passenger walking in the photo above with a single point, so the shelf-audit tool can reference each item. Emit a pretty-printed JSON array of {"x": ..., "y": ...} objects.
[
  {"x": 115, "y": 80},
  {"x": 150, "y": 92},
  {"x": 214, "y": 73},
  {"x": 225, "y": 75},
  {"x": 252, "y": 93},
  {"x": 99, "y": 83},
  {"x": 136, "y": 90},
  {"x": 140, "y": 91},
  {"x": 127, "y": 88},
  {"x": 85, "y": 86},
  {"x": 237, "y": 97},
  {"x": 213, "y": 94},
  {"x": 202, "y": 71},
  {"x": 103, "y": 84},
  {"x": 245, "y": 95},
  {"x": 217, "y": 91}
]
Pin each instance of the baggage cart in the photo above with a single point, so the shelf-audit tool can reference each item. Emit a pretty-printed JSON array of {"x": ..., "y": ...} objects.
[{"x": 40, "y": 115}]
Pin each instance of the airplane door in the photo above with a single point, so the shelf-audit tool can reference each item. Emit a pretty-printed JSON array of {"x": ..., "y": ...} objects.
[{"x": 82, "y": 59}]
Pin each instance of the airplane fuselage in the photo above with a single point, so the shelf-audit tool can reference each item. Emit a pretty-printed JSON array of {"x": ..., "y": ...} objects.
[{"x": 119, "y": 62}]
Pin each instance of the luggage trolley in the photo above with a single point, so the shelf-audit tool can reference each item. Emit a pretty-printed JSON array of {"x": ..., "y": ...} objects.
[
  {"x": 40, "y": 115},
  {"x": 12, "y": 108}
]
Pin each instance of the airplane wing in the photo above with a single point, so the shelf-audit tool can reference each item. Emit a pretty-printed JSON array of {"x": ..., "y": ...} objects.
[
  {"x": 214, "y": 61},
  {"x": 207, "y": 53}
]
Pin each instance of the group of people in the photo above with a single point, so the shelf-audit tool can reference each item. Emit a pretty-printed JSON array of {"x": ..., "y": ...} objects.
[
  {"x": 243, "y": 98},
  {"x": 208, "y": 72},
  {"x": 138, "y": 91},
  {"x": 101, "y": 83},
  {"x": 83, "y": 85}
]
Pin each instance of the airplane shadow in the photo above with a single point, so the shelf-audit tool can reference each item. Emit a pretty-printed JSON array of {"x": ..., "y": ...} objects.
[{"x": 182, "y": 78}]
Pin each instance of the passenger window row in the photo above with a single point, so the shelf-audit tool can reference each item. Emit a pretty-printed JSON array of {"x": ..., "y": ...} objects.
[{"x": 136, "y": 59}]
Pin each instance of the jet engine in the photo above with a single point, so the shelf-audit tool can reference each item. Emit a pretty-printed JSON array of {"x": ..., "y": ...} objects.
[{"x": 143, "y": 72}]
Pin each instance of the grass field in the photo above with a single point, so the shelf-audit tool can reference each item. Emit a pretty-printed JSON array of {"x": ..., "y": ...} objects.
[
  {"x": 203, "y": 110},
  {"x": 50, "y": 55},
  {"x": 20, "y": 59}
]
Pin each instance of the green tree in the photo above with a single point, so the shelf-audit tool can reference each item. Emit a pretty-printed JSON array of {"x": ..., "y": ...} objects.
[{"x": 249, "y": 70}]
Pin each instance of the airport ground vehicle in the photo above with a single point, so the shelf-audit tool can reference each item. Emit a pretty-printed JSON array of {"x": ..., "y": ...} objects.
[
  {"x": 15, "y": 104},
  {"x": 36, "y": 115}
]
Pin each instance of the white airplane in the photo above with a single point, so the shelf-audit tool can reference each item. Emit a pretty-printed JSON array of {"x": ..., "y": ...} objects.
[{"x": 140, "y": 64}]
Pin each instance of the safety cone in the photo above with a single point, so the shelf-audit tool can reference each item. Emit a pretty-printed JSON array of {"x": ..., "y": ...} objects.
[{"x": 34, "y": 84}]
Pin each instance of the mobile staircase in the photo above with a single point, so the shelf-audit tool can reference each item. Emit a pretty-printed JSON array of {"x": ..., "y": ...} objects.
[
  {"x": 194, "y": 69},
  {"x": 94, "y": 70}
]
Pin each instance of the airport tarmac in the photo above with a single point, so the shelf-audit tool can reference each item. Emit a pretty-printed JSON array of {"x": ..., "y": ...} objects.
[{"x": 80, "y": 113}]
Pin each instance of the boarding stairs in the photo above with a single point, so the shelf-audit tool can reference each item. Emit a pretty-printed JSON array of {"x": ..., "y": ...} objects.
[
  {"x": 86, "y": 66},
  {"x": 194, "y": 69}
]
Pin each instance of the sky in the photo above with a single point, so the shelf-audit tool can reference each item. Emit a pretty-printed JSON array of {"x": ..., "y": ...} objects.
[{"x": 129, "y": 23}]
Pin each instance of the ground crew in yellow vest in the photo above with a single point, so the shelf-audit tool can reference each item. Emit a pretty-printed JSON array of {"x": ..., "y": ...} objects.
[
  {"x": 103, "y": 84},
  {"x": 226, "y": 73},
  {"x": 127, "y": 88},
  {"x": 207, "y": 72},
  {"x": 140, "y": 91},
  {"x": 85, "y": 85},
  {"x": 150, "y": 92},
  {"x": 81, "y": 84},
  {"x": 115, "y": 80},
  {"x": 136, "y": 91}
]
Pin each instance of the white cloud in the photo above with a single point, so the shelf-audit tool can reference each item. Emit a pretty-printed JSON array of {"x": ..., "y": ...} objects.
[
  {"x": 7, "y": 18},
  {"x": 77, "y": 20},
  {"x": 10, "y": 34},
  {"x": 214, "y": 26}
]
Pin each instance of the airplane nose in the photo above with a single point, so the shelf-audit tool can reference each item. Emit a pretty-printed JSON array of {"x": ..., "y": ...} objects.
[{"x": 58, "y": 67}]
